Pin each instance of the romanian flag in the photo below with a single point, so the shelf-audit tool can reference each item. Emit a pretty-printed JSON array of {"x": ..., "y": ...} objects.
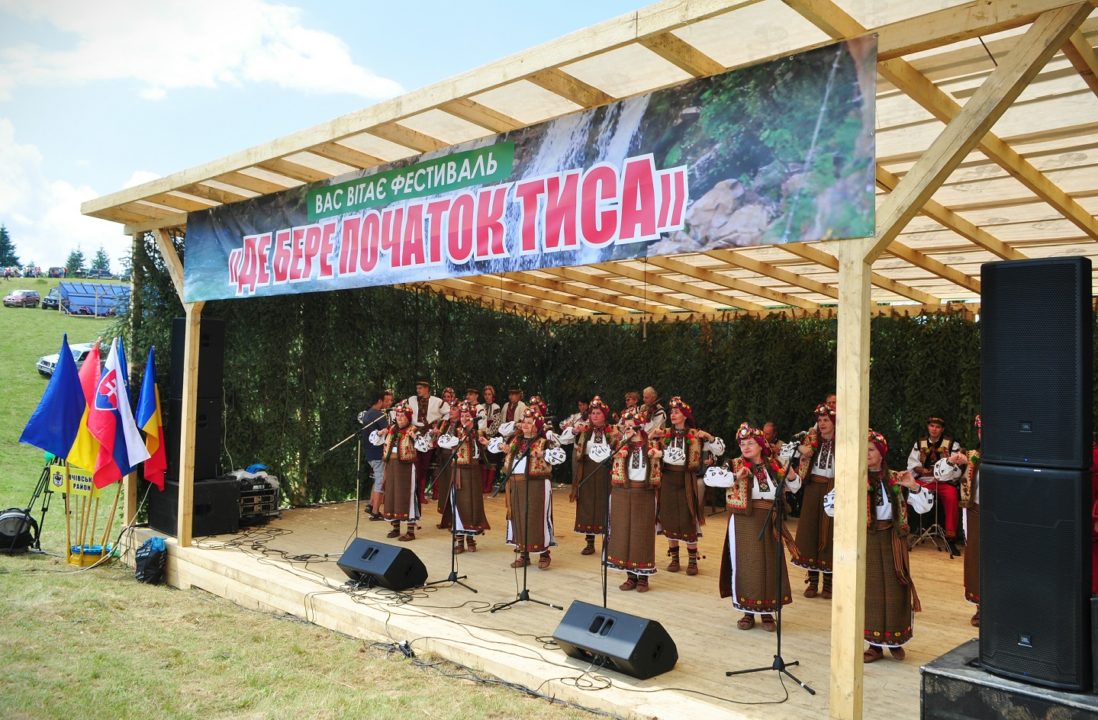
[
  {"x": 148, "y": 419},
  {"x": 111, "y": 422},
  {"x": 85, "y": 449},
  {"x": 55, "y": 422}
]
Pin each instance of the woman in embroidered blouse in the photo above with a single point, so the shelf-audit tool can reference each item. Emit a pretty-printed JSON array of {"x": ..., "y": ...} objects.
[
  {"x": 890, "y": 597},
  {"x": 399, "y": 455},
  {"x": 595, "y": 441},
  {"x": 529, "y": 492},
  {"x": 680, "y": 516},
  {"x": 970, "y": 501},
  {"x": 815, "y": 533},
  {"x": 749, "y": 569},
  {"x": 634, "y": 480},
  {"x": 465, "y": 482}
]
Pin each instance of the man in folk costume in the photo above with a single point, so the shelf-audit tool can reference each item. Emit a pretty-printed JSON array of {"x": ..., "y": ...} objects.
[
  {"x": 931, "y": 448},
  {"x": 427, "y": 410},
  {"x": 653, "y": 410},
  {"x": 635, "y": 481},
  {"x": 890, "y": 598},
  {"x": 443, "y": 465},
  {"x": 749, "y": 571},
  {"x": 488, "y": 413},
  {"x": 401, "y": 476},
  {"x": 529, "y": 491},
  {"x": 815, "y": 533},
  {"x": 512, "y": 410},
  {"x": 970, "y": 501},
  {"x": 595, "y": 441},
  {"x": 680, "y": 516},
  {"x": 468, "y": 515}
]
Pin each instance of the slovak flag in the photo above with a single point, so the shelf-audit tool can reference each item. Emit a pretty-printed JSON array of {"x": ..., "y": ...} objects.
[
  {"x": 110, "y": 420},
  {"x": 148, "y": 419}
]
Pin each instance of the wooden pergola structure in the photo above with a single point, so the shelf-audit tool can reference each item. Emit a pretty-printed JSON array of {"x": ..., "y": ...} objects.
[{"x": 987, "y": 149}]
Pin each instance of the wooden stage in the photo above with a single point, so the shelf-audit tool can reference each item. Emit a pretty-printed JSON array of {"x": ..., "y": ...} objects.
[{"x": 515, "y": 644}]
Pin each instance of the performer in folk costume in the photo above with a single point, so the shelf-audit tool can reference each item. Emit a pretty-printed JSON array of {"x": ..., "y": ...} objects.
[
  {"x": 635, "y": 481},
  {"x": 680, "y": 516},
  {"x": 401, "y": 477},
  {"x": 890, "y": 597},
  {"x": 442, "y": 468},
  {"x": 970, "y": 501},
  {"x": 529, "y": 491},
  {"x": 595, "y": 441},
  {"x": 749, "y": 572},
  {"x": 427, "y": 411},
  {"x": 815, "y": 533},
  {"x": 488, "y": 413},
  {"x": 468, "y": 515},
  {"x": 929, "y": 449}
]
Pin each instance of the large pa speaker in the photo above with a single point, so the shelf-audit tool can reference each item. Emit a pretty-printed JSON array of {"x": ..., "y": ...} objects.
[
  {"x": 374, "y": 563},
  {"x": 1035, "y": 574},
  {"x": 216, "y": 507},
  {"x": 211, "y": 357},
  {"x": 207, "y": 437},
  {"x": 1036, "y": 334},
  {"x": 616, "y": 640}
]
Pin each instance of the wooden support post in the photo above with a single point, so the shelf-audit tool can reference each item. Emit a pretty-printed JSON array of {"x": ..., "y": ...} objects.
[
  {"x": 129, "y": 482},
  {"x": 187, "y": 422},
  {"x": 852, "y": 421}
]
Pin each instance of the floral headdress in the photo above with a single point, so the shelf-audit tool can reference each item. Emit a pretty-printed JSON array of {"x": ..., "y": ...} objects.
[
  {"x": 534, "y": 413},
  {"x": 825, "y": 409},
  {"x": 597, "y": 404},
  {"x": 746, "y": 432},
  {"x": 879, "y": 442},
  {"x": 404, "y": 409}
]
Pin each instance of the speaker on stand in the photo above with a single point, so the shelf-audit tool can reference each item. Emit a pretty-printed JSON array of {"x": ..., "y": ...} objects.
[{"x": 1036, "y": 407}]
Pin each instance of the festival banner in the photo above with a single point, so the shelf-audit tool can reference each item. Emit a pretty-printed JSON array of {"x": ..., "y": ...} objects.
[{"x": 776, "y": 153}]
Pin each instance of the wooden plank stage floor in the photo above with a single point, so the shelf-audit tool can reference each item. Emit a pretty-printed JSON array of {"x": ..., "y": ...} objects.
[{"x": 267, "y": 568}]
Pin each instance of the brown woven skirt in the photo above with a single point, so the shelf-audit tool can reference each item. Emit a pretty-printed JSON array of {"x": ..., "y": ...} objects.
[
  {"x": 592, "y": 496},
  {"x": 972, "y": 554},
  {"x": 401, "y": 501},
  {"x": 632, "y": 545},
  {"x": 677, "y": 514},
  {"x": 815, "y": 531},
  {"x": 439, "y": 483},
  {"x": 888, "y": 611},
  {"x": 469, "y": 518},
  {"x": 749, "y": 566},
  {"x": 530, "y": 498}
]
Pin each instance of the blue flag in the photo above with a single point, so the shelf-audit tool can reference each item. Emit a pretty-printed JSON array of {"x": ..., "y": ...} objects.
[{"x": 55, "y": 422}]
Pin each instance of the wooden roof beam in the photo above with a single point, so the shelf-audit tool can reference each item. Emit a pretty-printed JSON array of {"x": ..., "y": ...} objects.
[
  {"x": 251, "y": 182},
  {"x": 480, "y": 114},
  {"x": 211, "y": 193},
  {"x": 829, "y": 261},
  {"x": 955, "y": 222},
  {"x": 682, "y": 54},
  {"x": 179, "y": 203},
  {"x": 607, "y": 282},
  {"x": 1083, "y": 58},
  {"x": 346, "y": 155},
  {"x": 717, "y": 278},
  {"x": 933, "y": 266},
  {"x": 176, "y": 220},
  {"x": 564, "y": 297},
  {"x": 790, "y": 278},
  {"x": 608, "y": 299},
  {"x": 171, "y": 260},
  {"x": 293, "y": 170},
  {"x": 401, "y": 135},
  {"x": 654, "y": 278},
  {"x": 571, "y": 88},
  {"x": 486, "y": 296}
]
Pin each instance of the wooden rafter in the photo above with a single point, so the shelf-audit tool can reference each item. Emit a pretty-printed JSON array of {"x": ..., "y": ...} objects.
[
  {"x": 932, "y": 266},
  {"x": 177, "y": 202},
  {"x": 676, "y": 51},
  {"x": 480, "y": 114},
  {"x": 717, "y": 278},
  {"x": 346, "y": 155},
  {"x": 608, "y": 299},
  {"x": 212, "y": 193},
  {"x": 251, "y": 182},
  {"x": 297, "y": 171},
  {"x": 570, "y": 88},
  {"x": 609, "y": 283},
  {"x": 541, "y": 292},
  {"x": 486, "y": 296},
  {"x": 829, "y": 261},
  {"x": 790, "y": 278},
  {"x": 655, "y": 278},
  {"x": 171, "y": 260},
  {"x": 401, "y": 135},
  {"x": 1083, "y": 58},
  {"x": 955, "y": 222}
]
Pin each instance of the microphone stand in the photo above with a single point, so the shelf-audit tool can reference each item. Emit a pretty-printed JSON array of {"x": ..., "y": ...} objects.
[
  {"x": 358, "y": 462},
  {"x": 524, "y": 594},
  {"x": 606, "y": 520},
  {"x": 776, "y": 520},
  {"x": 453, "y": 578}
]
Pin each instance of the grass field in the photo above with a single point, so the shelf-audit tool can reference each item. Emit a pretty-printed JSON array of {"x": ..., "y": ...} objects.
[{"x": 98, "y": 644}]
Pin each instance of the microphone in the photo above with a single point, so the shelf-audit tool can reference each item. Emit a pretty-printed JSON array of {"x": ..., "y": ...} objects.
[{"x": 801, "y": 435}]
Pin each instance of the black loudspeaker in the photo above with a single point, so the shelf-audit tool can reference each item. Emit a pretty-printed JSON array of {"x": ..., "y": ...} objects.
[
  {"x": 18, "y": 530},
  {"x": 1037, "y": 337},
  {"x": 207, "y": 437},
  {"x": 216, "y": 507},
  {"x": 211, "y": 357},
  {"x": 1035, "y": 574},
  {"x": 374, "y": 563},
  {"x": 616, "y": 640}
]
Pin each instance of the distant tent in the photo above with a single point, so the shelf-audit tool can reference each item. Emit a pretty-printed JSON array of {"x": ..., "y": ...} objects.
[{"x": 98, "y": 299}]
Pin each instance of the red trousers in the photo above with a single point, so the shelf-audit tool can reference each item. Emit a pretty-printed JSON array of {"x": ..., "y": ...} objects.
[
  {"x": 423, "y": 474},
  {"x": 949, "y": 496}
]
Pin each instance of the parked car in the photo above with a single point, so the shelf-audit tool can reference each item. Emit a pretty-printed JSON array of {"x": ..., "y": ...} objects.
[
  {"x": 50, "y": 302},
  {"x": 47, "y": 363},
  {"x": 22, "y": 298},
  {"x": 56, "y": 272}
]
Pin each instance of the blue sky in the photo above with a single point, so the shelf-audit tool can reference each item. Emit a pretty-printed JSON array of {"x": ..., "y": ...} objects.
[{"x": 96, "y": 96}]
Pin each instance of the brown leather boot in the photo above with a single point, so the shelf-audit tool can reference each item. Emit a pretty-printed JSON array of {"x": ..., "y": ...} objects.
[
  {"x": 674, "y": 566},
  {"x": 472, "y": 543},
  {"x": 395, "y": 532},
  {"x": 692, "y": 561},
  {"x": 589, "y": 549},
  {"x": 826, "y": 592},
  {"x": 459, "y": 545},
  {"x": 642, "y": 583},
  {"x": 522, "y": 560},
  {"x": 813, "y": 581},
  {"x": 630, "y": 582}
]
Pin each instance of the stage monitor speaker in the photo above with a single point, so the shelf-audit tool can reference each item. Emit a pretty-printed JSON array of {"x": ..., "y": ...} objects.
[
  {"x": 216, "y": 507},
  {"x": 388, "y": 566},
  {"x": 211, "y": 357},
  {"x": 207, "y": 437},
  {"x": 1036, "y": 333},
  {"x": 1035, "y": 574},
  {"x": 616, "y": 640}
]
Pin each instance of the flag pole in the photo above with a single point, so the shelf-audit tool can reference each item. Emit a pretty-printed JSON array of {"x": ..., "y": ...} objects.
[
  {"x": 68, "y": 513},
  {"x": 110, "y": 518}
]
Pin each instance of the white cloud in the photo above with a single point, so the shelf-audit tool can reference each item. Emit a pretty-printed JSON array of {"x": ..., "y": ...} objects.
[
  {"x": 43, "y": 215},
  {"x": 172, "y": 44}
]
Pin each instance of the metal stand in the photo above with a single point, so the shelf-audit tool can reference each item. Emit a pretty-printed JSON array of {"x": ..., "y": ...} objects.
[
  {"x": 40, "y": 491},
  {"x": 524, "y": 594},
  {"x": 453, "y": 578},
  {"x": 776, "y": 521},
  {"x": 605, "y": 522},
  {"x": 934, "y": 532}
]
